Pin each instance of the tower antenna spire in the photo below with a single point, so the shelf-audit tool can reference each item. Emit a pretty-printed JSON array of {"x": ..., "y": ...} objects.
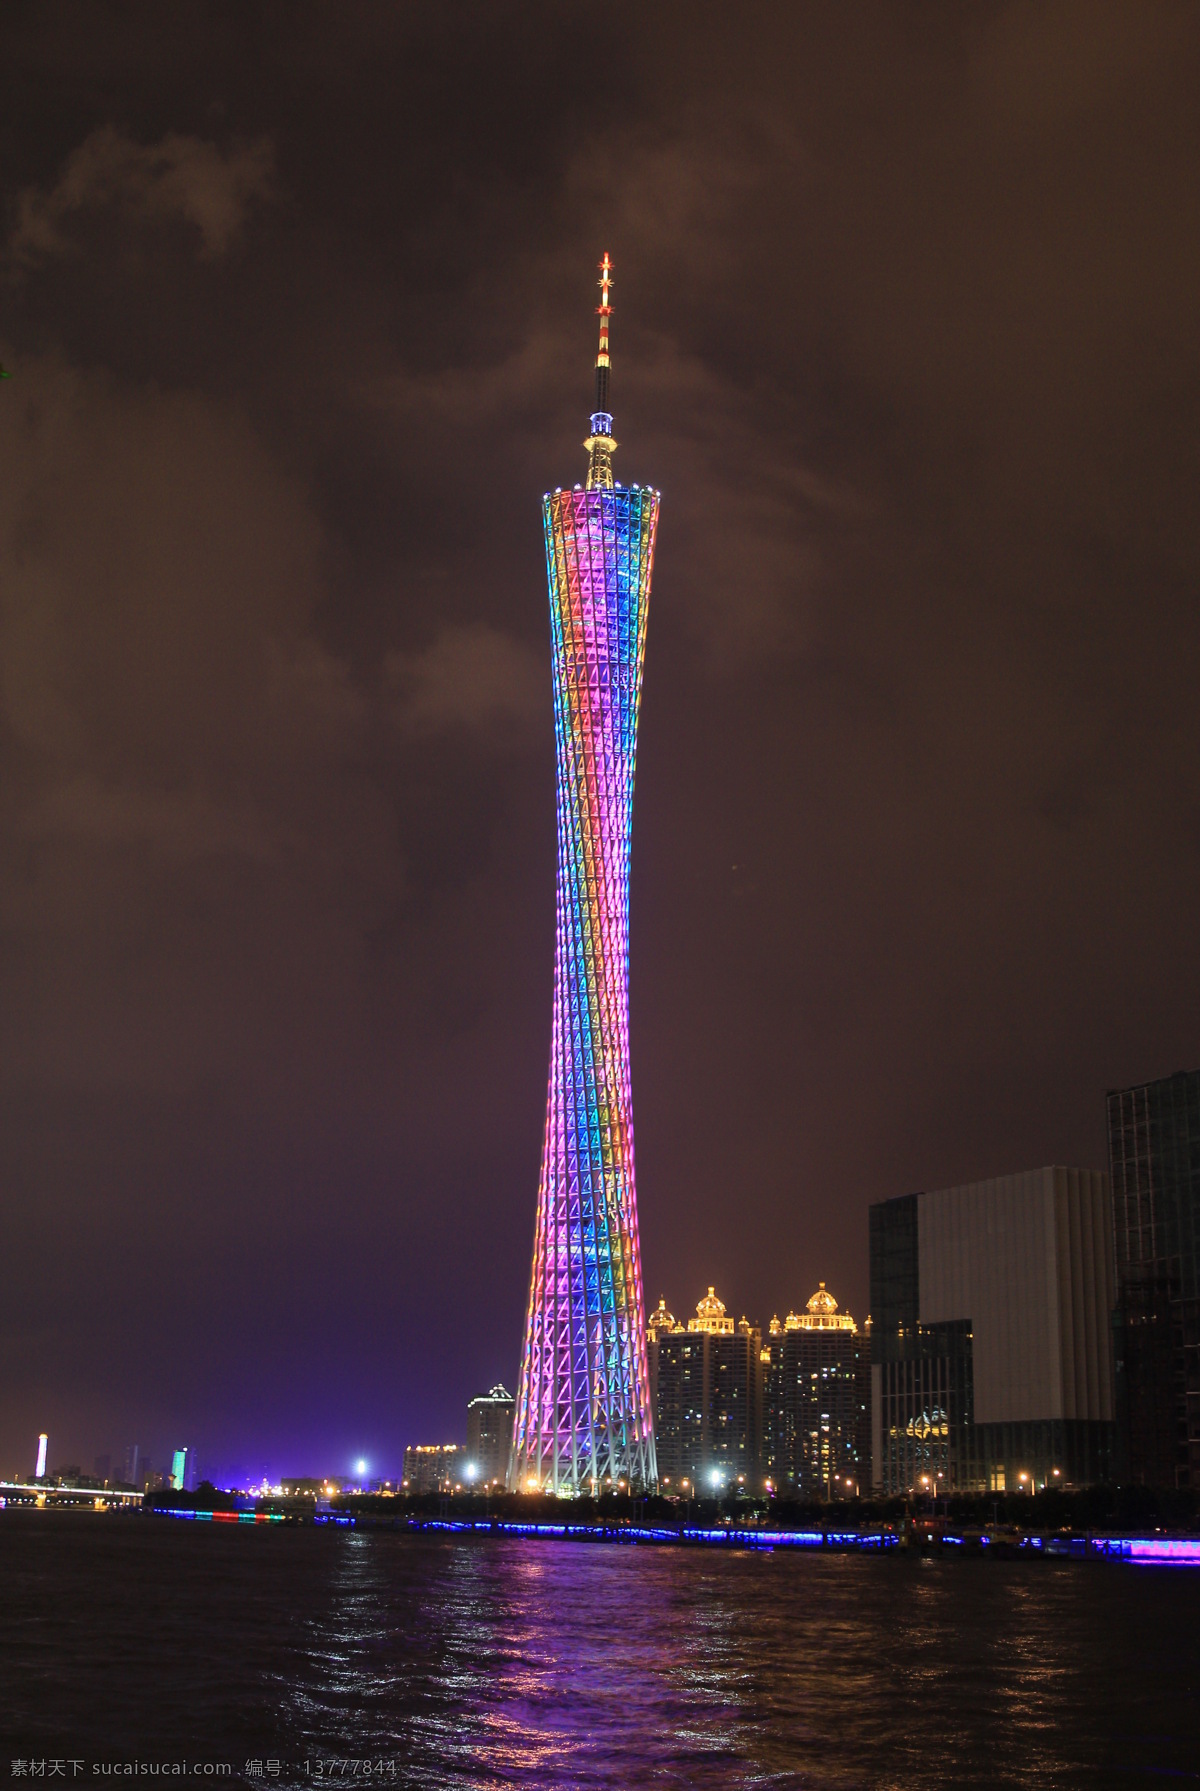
[{"x": 600, "y": 443}]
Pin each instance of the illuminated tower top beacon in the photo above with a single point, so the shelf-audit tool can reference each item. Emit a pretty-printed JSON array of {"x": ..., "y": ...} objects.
[{"x": 600, "y": 443}]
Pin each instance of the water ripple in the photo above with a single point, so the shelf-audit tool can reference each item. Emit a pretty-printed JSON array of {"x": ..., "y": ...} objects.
[{"x": 485, "y": 1662}]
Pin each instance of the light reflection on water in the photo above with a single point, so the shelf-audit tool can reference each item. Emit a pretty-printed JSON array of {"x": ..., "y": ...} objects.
[
  {"x": 533, "y": 1663},
  {"x": 483, "y": 1662}
]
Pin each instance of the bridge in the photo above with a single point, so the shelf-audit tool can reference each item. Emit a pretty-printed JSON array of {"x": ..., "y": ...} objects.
[{"x": 14, "y": 1493}]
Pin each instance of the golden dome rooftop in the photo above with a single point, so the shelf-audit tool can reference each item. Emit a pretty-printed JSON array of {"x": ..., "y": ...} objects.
[
  {"x": 821, "y": 1314},
  {"x": 710, "y": 1315}
]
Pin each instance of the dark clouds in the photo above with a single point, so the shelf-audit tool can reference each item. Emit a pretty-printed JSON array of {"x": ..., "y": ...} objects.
[
  {"x": 299, "y": 306},
  {"x": 179, "y": 177}
]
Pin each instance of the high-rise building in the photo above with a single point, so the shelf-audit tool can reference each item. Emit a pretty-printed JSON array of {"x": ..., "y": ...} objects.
[
  {"x": 43, "y": 1445},
  {"x": 708, "y": 1405},
  {"x": 816, "y": 1395},
  {"x": 583, "y": 1415},
  {"x": 991, "y": 1360},
  {"x": 489, "y": 1435},
  {"x": 130, "y": 1467},
  {"x": 1154, "y": 1162},
  {"x": 433, "y": 1467},
  {"x": 862, "y": 1400},
  {"x": 179, "y": 1469}
]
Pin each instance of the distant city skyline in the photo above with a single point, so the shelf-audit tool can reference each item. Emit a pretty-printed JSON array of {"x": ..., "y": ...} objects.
[{"x": 1016, "y": 1387}]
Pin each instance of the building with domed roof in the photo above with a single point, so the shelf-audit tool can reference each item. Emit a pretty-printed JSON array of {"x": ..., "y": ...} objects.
[
  {"x": 662, "y": 1320},
  {"x": 706, "y": 1384},
  {"x": 711, "y": 1316},
  {"x": 817, "y": 1402}
]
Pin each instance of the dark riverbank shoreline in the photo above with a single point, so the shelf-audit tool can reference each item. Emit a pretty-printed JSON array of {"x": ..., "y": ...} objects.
[
  {"x": 911, "y": 1537},
  {"x": 1100, "y": 1523}
]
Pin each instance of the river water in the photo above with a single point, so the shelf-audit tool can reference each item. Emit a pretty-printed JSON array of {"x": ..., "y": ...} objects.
[{"x": 293, "y": 1656}]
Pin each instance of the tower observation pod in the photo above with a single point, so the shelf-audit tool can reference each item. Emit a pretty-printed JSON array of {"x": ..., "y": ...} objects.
[{"x": 583, "y": 1421}]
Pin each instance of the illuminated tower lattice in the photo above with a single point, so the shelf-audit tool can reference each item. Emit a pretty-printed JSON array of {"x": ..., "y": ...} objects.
[{"x": 583, "y": 1410}]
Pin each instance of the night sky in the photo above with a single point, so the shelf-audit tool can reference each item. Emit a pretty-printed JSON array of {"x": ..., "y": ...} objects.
[{"x": 299, "y": 304}]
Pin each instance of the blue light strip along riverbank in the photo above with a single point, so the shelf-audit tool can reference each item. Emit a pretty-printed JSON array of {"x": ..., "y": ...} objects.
[
  {"x": 670, "y": 1534},
  {"x": 1153, "y": 1551}
]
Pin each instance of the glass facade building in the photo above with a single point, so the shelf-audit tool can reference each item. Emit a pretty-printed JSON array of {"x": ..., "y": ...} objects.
[
  {"x": 991, "y": 1361},
  {"x": 922, "y": 1393},
  {"x": 1154, "y": 1164}
]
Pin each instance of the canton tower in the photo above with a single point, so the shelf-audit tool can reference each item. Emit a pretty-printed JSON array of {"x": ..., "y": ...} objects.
[{"x": 583, "y": 1409}]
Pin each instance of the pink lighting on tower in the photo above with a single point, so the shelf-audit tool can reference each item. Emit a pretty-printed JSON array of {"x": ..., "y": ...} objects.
[{"x": 582, "y": 1416}]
